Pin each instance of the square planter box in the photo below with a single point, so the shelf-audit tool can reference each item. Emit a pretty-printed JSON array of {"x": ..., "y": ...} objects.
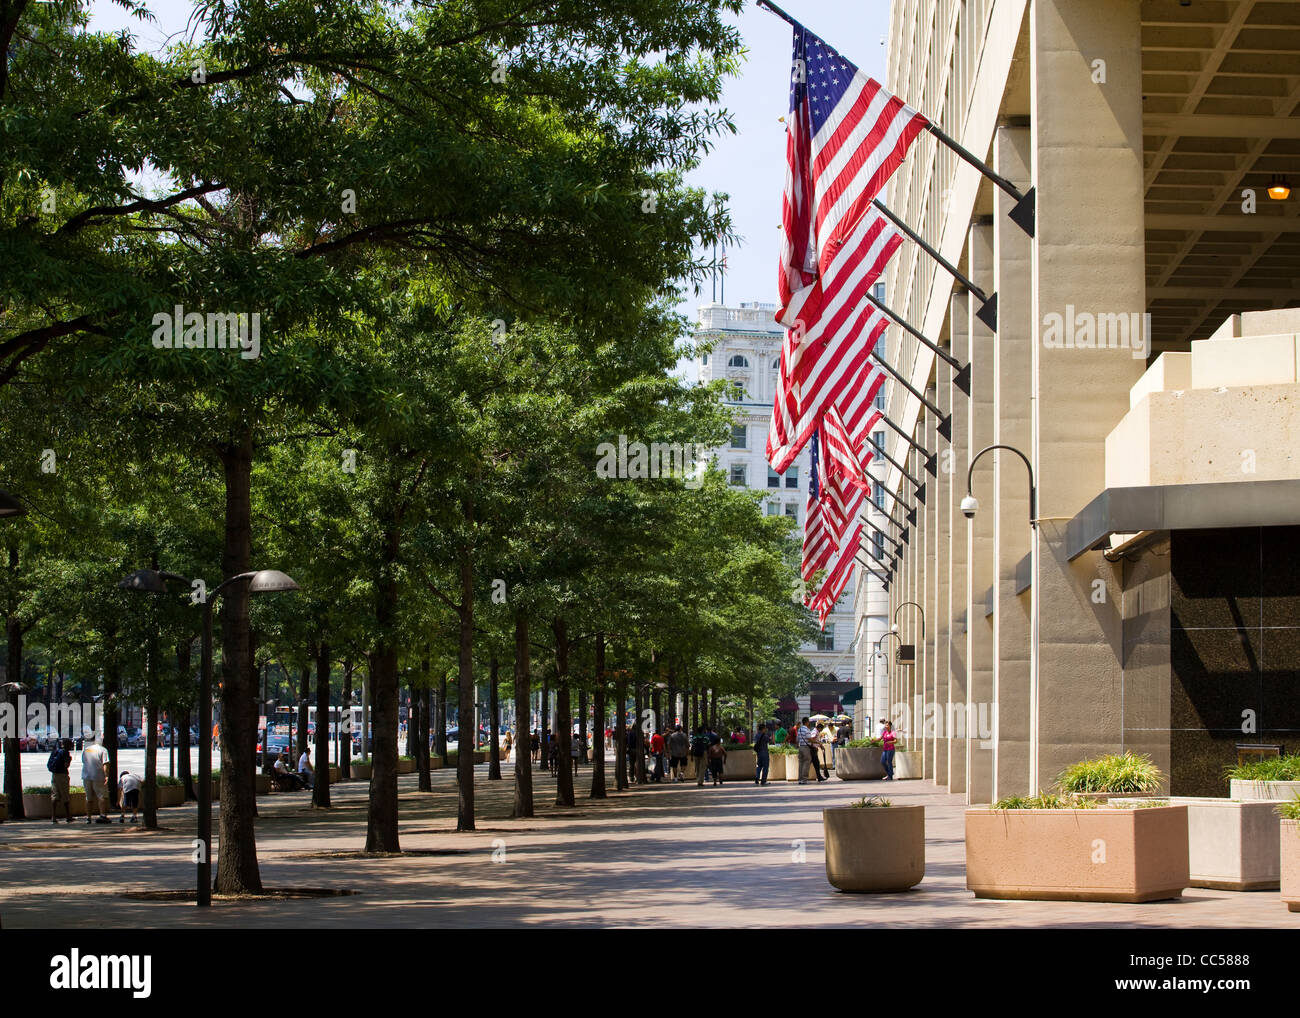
[
  {"x": 435, "y": 763},
  {"x": 1290, "y": 845},
  {"x": 876, "y": 849},
  {"x": 334, "y": 775},
  {"x": 1232, "y": 845},
  {"x": 405, "y": 766},
  {"x": 263, "y": 784},
  {"x": 39, "y": 807},
  {"x": 739, "y": 765},
  {"x": 1270, "y": 790},
  {"x": 906, "y": 765},
  {"x": 361, "y": 772},
  {"x": 860, "y": 764},
  {"x": 170, "y": 795},
  {"x": 1105, "y": 854}
]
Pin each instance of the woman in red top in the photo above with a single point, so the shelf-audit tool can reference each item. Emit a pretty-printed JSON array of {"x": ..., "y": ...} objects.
[{"x": 887, "y": 740}]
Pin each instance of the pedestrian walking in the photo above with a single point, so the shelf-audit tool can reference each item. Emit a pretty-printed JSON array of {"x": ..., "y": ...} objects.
[
  {"x": 575, "y": 751},
  {"x": 717, "y": 758},
  {"x": 535, "y": 744},
  {"x": 128, "y": 786},
  {"x": 887, "y": 742},
  {"x": 761, "y": 760},
  {"x": 679, "y": 746},
  {"x": 60, "y": 787},
  {"x": 658, "y": 745},
  {"x": 820, "y": 736},
  {"x": 807, "y": 750},
  {"x": 699, "y": 753},
  {"x": 94, "y": 779},
  {"x": 510, "y": 741}
]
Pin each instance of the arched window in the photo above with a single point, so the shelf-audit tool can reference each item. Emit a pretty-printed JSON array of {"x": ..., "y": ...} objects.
[{"x": 737, "y": 361}]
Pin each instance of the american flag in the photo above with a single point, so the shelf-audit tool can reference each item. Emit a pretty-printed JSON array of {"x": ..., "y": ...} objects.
[{"x": 845, "y": 136}]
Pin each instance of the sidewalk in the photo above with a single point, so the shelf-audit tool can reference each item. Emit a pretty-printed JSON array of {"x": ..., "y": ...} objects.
[{"x": 659, "y": 855}]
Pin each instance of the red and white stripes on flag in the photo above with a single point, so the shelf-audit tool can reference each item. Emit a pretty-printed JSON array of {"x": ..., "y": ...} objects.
[{"x": 845, "y": 136}]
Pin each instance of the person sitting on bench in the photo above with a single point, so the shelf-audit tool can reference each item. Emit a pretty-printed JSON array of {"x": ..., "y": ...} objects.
[{"x": 285, "y": 777}]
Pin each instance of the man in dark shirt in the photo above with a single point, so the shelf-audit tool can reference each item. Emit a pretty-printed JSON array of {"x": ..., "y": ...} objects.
[{"x": 60, "y": 787}]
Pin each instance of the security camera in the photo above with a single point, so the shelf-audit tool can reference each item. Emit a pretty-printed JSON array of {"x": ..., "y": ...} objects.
[{"x": 969, "y": 505}]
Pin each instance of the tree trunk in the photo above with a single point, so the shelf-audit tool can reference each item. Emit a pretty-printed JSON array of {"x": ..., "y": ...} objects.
[
  {"x": 598, "y": 724},
  {"x": 468, "y": 737},
  {"x": 237, "y": 869},
  {"x": 183, "y": 650},
  {"x": 112, "y": 715},
  {"x": 304, "y": 695},
  {"x": 381, "y": 819},
  {"x": 523, "y": 694},
  {"x": 564, "y": 718},
  {"x": 320, "y": 795},
  {"x": 345, "y": 722},
  {"x": 420, "y": 719},
  {"x": 149, "y": 793},
  {"x": 440, "y": 720},
  {"x": 494, "y": 723},
  {"x": 620, "y": 732},
  {"x": 14, "y": 673}
]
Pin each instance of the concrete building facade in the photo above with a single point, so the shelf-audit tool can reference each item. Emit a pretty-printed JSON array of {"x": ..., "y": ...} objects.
[
  {"x": 745, "y": 348},
  {"x": 1142, "y": 597}
]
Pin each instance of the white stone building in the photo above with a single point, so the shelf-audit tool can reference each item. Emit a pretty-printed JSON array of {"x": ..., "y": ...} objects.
[{"x": 746, "y": 349}]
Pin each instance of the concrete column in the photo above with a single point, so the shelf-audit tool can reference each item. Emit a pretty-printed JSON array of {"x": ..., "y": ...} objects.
[
  {"x": 925, "y": 618},
  {"x": 979, "y": 531},
  {"x": 1089, "y": 259},
  {"x": 952, "y": 465},
  {"x": 939, "y": 617},
  {"x": 1012, "y": 257}
]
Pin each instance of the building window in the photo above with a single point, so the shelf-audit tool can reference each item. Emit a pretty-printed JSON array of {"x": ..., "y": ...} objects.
[
  {"x": 776, "y": 364},
  {"x": 878, "y": 496},
  {"x": 706, "y": 360},
  {"x": 792, "y": 509},
  {"x": 773, "y": 508},
  {"x": 739, "y": 436},
  {"x": 878, "y": 437},
  {"x": 879, "y": 540},
  {"x": 792, "y": 477},
  {"x": 878, "y": 291},
  {"x": 773, "y": 478},
  {"x": 738, "y": 474},
  {"x": 826, "y": 638},
  {"x": 737, "y": 361},
  {"x": 880, "y": 399},
  {"x": 738, "y": 394}
]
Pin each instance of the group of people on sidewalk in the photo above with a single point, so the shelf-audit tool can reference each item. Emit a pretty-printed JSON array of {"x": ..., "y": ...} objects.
[{"x": 95, "y": 763}]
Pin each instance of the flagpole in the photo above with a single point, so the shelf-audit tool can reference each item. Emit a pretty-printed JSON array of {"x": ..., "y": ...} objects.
[
  {"x": 931, "y": 458},
  {"x": 962, "y": 377},
  {"x": 867, "y": 566},
  {"x": 778, "y": 12},
  {"x": 894, "y": 541},
  {"x": 1022, "y": 214},
  {"x": 920, "y": 487},
  {"x": 988, "y": 312},
  {"x": 945, "y": 423},
  {"x": 898, "y": 501}
]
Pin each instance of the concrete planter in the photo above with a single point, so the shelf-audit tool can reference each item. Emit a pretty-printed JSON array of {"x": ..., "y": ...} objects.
[
  {"x": 263, "y": 784},
  {"x": 4, "y": 809},
  {"x": 874, "y": 850},
  {"x": 861, "y": 764},
  {"x": 168, "y": 795},
  {"x": 906, "y": 765},
  {"x": 1289, "y": 833},
  {"x": 405, "y": 766},
  {"x": 480, "y": 756},
  {"x": 1105, "y": 854},
  {"x": 435, "y": 763},
  {"x": 361, "y": 772},
  {"x": 1232, "y": 845},
  {"x": 739, "y": 765},
  {"x": 777, "y": 766},
  {"x": 1267, "y": 790},
  {"x": 335, "y": 775},
  {"x": 39, "y": 807}
]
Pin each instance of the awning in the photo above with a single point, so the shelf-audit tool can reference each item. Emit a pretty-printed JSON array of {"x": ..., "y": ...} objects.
[{"x": 852, "y": 696}]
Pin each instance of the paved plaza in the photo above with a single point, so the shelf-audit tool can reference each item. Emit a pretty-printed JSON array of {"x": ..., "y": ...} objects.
[{"x": 658, "y": 856}]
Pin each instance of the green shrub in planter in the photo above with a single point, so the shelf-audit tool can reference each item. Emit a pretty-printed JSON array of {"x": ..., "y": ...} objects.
[
  {"x": 871, "y": 802},
  {"x": 783, "y": 750},
  {"x": 1045, "y": 800},
  {"x": 864, "y": 744},
  {"x": 1290, "y": 810},
  {"x": 1116, "y": 773},
  {"x": 167, "y": 781},
  {"x": 1277, "y": 768},
  {"x": 46, "y": 790}
]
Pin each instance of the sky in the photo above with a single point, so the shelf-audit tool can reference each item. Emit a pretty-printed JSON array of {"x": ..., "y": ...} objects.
[{"x": 749, "y": 166}]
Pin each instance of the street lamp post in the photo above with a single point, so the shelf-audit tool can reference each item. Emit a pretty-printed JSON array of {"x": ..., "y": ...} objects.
[
  {"x": 875, "y": 687},
  {"x": 969, "y": 506},
  {"x": 262, "y": 581}
]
